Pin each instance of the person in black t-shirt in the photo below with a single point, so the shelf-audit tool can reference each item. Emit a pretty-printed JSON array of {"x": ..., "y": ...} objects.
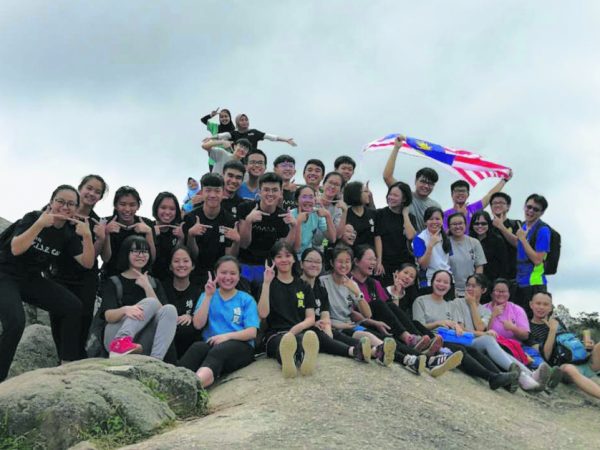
[
  {"x": 500, "y": 205},
  {"x": 211, "y": 231},
  {"x": 225, "y": 123},
  {"x": 81, "y": 281},
  {"x": 168, "y": 229},
  {"x": 394, "y": 229},
  {"x": 254, "y": 136},
  {"x": 361, "y": 218},
  {"x": 37, "y": 240},
  {"x": 285, "y": 167},
  {"x": 184, "y": 295},
  {"x": 233, "y": 176},
  {"x": 288, "y": 305},
  {"x": 139, "y": 320},
  {"x": 124, "y": 223}
]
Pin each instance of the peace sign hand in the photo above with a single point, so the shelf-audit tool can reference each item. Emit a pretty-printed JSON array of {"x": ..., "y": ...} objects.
[
  {"x": 210, "y": 287},
  {"x": 269, "y": 273}
]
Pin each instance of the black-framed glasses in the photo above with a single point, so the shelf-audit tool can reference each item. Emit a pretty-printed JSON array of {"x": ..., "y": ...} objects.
[
  {"x": 62, "y": 202},
  {"x": 480, "y": 224}
]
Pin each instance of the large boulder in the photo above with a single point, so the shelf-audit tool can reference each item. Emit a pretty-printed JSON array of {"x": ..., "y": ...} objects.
[
  {"x": 36, "y": 350},
  {"x": 121, "y": 399}
]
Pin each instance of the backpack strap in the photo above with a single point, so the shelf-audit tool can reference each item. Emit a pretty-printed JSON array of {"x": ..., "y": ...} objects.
[{"x": 118, "y": 286}]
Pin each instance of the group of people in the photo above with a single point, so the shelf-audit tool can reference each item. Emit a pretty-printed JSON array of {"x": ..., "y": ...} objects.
[{"x": 251, "y": 261}]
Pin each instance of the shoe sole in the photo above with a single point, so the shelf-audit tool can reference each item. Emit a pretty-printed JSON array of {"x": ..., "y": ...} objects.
[
  {"x": 365, "y": 345},
  {"x": 452, "y": 362},
  {"x": 544, "y": 373},
  {"x": 287, "y": 350},
  {"x": 133, "y": 351},
  {"x": 423, "y": 344},
  {"x": 435, "y": 346},
  {"x": 389, "y": 350},
  {"x": 310, "y": 345},
  {"x": 422, "y": 363},
  {"x": 555, "y": 379},
  {"x": 514, "y": 386}
]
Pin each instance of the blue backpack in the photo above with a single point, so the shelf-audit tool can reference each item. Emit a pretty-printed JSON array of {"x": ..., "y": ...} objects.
[{"x": 568, "y": 350}]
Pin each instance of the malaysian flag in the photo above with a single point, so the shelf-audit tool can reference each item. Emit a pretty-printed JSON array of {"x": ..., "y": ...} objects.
[{"x": 469, "y": 166}]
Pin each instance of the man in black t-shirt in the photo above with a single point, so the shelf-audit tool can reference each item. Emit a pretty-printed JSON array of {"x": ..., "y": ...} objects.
[
  {"x": 285, "y": 167},
  {"x": 233, "y": 176},
  {"x": 500, "y": 205}
]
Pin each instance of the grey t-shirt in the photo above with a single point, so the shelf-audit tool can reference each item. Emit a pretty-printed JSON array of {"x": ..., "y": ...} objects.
[
  {"x": 466, "y": 255},
  {"x": 467, "y": 320},
  {"x": 220, "y": 157},
  {"x": 418, "y": 207},
  {"x": 427, "y": 310},
  {"x": 341, "y": 300}
]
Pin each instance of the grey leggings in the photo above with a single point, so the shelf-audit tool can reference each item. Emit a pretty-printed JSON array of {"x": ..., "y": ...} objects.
[
  {"x": 489, "y": 346},
  {"x": 155, "y": 332}
]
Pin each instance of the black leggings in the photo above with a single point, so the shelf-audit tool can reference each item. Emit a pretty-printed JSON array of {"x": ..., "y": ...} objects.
[
  {"x": 185, "y": 336},
  {"x": 333, "y": 346},
  {"x": 474, "y": 362},
  {"x": 45, "y": 294},
  {"x": 412, "y": 326},
  {"x": 401, "y": 348},
  {"x": 223, "y": 358}
]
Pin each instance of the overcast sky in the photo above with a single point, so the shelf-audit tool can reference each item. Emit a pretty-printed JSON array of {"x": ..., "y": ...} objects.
[{"x": 118, "y": 88}]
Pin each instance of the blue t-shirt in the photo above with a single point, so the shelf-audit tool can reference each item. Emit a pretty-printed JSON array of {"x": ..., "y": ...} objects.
[
  {"x": 309, "y": 228},
  {"x": 227, "y": 316},
  {"x": 527, "y": 273},
  {"x": 247, "y": 194}
]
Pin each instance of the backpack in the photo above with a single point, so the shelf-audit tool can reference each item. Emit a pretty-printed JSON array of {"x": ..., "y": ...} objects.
[
  {"x": 94, "y": 345},
  {"x": 568, "y": 349},
  {"x": 551, "y": 261}
]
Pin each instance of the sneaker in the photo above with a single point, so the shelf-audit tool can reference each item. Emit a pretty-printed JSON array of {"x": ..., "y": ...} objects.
[
  {"x": 435, "y": 346},
  {"x": 514, "y": 386},
  {"x": 287, "y": 352},
  {"x": 542, "y": 375},
  {"x": 527, "y": 383},
  {"x": 310, "y": 344},
  {"x": 362, "y": 351},
  {"x": 415, "y": 363},
  {"x": 385, "y": 352},
  {"x": 555, "y": 378},
  {"x": 502, "y": 379},
  {"x": 419, "y": 343},
  {"x": 123, "y": 346},
  {"x": 440, "y": 364}
]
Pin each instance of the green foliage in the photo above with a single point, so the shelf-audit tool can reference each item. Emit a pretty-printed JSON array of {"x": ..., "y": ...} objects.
[
  {"x": 8, "y": 442},
  {"x": 154, "y": 386},
  {"x": 112, "y": 432},
  {"x": 588, "y": 321}
]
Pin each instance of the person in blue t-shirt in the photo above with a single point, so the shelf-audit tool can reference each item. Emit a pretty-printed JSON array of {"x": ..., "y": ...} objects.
[
  {"x": 256, "y": 166},
  {"x": 229, "y": 322},
  {"x": 530, "y": 261}
]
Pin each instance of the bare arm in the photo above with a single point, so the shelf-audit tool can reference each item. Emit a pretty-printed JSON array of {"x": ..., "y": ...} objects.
[
  {"x": 308, "y": 322},
  {"x": 499, "y": 186},
  {"x": 388, "y": 170}
]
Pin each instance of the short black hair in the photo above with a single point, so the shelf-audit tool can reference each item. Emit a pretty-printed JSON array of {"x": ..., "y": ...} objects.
[
  {"x": 344, "y": 159},
  {"x": 353, "y": 193},
  {"x": 256, "y": 151},
  {"x": 245, "y": 143},
  {"x": 315, "y": 162},
  {"x": 134, "y": 242},
  {"x": 428, "y": 173},
  {"x": 539, "y": 199},
  {"x": 158, "y": 200},
  {"x": 127, "y": 190},
  {"x": 503, "y": 195},
  {"x": 211, "y": 180},
  {"x": 460, "y": 184},
  {"x": 284, "y": 158},
  {"x": 270, "y": 177},
  {"x": 234, "y": 164},
  {"x": 90, "y": 177}
]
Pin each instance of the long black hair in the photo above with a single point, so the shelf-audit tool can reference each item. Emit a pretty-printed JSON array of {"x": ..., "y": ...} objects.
[{"x": 446, "y": 246}]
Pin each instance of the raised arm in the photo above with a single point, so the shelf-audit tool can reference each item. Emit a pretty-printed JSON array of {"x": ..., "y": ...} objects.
[
  {"x": 388, "y": 170},
  {"x": 499, "y": 186}
]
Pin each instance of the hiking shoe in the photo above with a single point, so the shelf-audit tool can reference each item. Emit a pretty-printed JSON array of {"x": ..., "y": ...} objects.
[
  {"x": 287, "y": 352},
  {"x": 440, "y": 364},
  {"x": 435, "y": 345},
  {"x": 362, "y": 351},
  {"x": 555, "y": 378},
  {"x": 310, "y": 344},
  {"x": 418, "y": 343},
  {"x": 514, "y": 386},
  {"x": 385, "y": 352},
  {"x": 415, "y": 363},
  {"x": 502, "y": 379},
  {"x": 542, "y": 375},
  {"x": 123, "y": 346}
]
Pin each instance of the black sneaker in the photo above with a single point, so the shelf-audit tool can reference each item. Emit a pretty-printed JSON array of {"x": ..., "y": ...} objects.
[
  {"x": 513, "y": 387},
  {"x": 385, "y": 352},
  {"x": 415, "y": 363},
  {"x": 502, "y": 379},
  {"x": 438, "y": 365}
]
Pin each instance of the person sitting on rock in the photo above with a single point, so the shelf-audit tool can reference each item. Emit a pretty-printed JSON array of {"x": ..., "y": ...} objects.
[
  {"x": 288, "y": 305},
  {"x": 229, "y": 322},
  {"x": 37, "y": 240},
  {"x": 134, "y": 305}
]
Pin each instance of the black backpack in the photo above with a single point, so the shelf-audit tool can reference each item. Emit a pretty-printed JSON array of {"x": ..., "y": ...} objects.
[
  {"x": 94, "y": 346},
  {"x": 553, "y": 256}
]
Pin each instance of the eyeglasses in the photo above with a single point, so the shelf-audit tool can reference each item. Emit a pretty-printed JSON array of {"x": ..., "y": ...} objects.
[
  {"x": 533, "y": 208},
  {"x": 306, "y": 198},
  {"x": 286, "y": 165},
  {"x": 499, "y": 203},
  {"x": 62, "y": 203},
  {"x": 139, "y": 252},
  {"x": 312, "y": 261},
  {"x": 480, "y": 224},
  {"x": 254, "y": 162}
]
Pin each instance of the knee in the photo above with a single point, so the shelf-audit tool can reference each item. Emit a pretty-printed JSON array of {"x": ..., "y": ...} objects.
[
  {"x": 150, "y": 302},
  {"x": 168, "y": 312}
]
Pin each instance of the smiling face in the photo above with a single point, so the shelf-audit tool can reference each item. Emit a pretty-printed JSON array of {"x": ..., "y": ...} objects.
[
  {"x": 91, "y": 192},
  {"x": 181, "y": 264},
  {"x": 460, "y": 195},
  {"x": 313, "y": 175},
  {"x": 349, "y": 235},
  {"x": 434, "y": 223},
  {"x": 312, "y": 264},
  {"x": 423, "y": 186},
  {"x": 233, "y": 180},
  {"x": 346, "y": 170},
  {"x": 256, "y": 165},
  {"x": 441, "y": 283},
  {"x": 407, "y": 276},
  {"x": 270, "y": 193},
  {"x": 332, "y": 187},
  {"x": 499, "y": 206},
  {"x": 286, "y": 170},
  {"x": 533, "y": 211},
  {"x": 500, "y": 294},
  {"x": 541, "y": 306},
  {"x": 138, "y": 258},
  {"x": 457, "y": 226},
  {"x": 480, "y": 225},
  {"x": 224, "y": 118},
  {"x": 306, "y": 200},
  {"x": 192, "y": 184},
  {"x": 64, "y": 203},
  {"x": 243, "y": 123},
  {"x": 228, "y": 275},
  {"x": 366, "y": 265},
  {"x": 395, "y": 199},
  {"x": 212, "y": 196},
  {"x": 284, "y": 261},
  {"x": 342, "y": 264},
  {"x": 126, "y": 208},
  {"x": 167, "y": 211},
  {"x": 240, "y": 151},
  {"x": 472, "y": 287}
]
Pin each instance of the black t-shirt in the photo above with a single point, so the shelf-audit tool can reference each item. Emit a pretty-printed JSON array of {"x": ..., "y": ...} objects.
[
  {"x": 232, "y": 204},
  {"x": 288, "y": 304},
  {"x": 48, "y": 245},
  {"x": 512, "y": 226},
  {"x": 498, "y": 265},
  {"x": 264, "y": 234},
  {"x": 212, "y": 244},
  {"x": 184, "y": 301},
  {"x": 321, "y": 299},
  {"x": 109, "y": 268},
  {"x": 363, "y": 225},
  {"x": 165, "y": 242},
  {"x": 390, "y": 226},
  {"x": 253, "y": 135},
  {"x": 289, "y": 200},
  {"x": 132, "y": 294}
]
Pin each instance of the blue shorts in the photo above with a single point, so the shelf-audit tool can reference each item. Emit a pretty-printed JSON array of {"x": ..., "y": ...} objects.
[{"x": 254, "y": 274}]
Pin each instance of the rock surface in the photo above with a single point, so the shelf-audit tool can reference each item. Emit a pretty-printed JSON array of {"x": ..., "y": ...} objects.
[
  {"x": 36, "y": 350},
  {"x": 352, "y": 405},
  {"x": 61, "y": 406}
]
